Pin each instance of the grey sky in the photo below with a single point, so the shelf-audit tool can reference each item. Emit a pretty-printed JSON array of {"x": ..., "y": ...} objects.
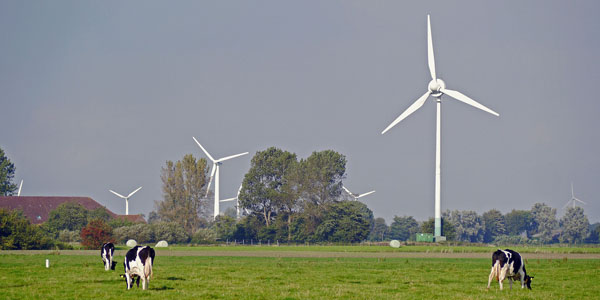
[{"x": 98, "y": 95}]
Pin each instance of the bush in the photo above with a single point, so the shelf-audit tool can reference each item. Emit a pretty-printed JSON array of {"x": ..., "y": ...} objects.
[
  {"x": 204, "y": 236},
  {"x": 17, "y": 233},
  {"x": 95, "y": 234},
  {"x": 141, "y": 233},
  {"x": 69, "y": 236},
  {"x": 116, "y": 223},
  {"x": 170, "y": 232}
]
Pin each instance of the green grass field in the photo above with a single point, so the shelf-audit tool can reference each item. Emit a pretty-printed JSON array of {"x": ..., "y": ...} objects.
[{"x": 204, "y": 277}]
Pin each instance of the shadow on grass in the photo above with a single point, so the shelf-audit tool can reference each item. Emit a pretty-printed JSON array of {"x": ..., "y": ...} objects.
[
  {"x": 175, "y": 278},
  {"x": 162, "y": 288}
]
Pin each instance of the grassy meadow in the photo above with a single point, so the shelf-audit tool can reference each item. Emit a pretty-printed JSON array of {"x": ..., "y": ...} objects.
[{"x": 230, "y": 277}]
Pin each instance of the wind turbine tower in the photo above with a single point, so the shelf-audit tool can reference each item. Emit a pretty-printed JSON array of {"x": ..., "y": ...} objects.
[
  {"x": 215, "y": 174},
  {"x": 436, "y": 88},
  {"x": 237, "y": 202},
  {"x": 126, "y": 198}
]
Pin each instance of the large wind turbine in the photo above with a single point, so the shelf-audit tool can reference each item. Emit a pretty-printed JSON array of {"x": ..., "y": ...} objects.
[
  {"x": 215, "y": 174},
  {"x": 436, "y": 88},
  {"x": 573, "y": 199},
  {"x": 126, "y": 198},
  {"x": 356, "y": 196},
  {"x": 237, "y": 202}
]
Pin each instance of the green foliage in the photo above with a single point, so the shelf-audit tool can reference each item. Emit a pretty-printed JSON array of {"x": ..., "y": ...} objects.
[
  {"x": 7, "y": 172},
  {"x": 96, "y": 233},
  {"x": 545, "y": 219},
  {"x": 448, "y": 229},
  {"x": 248, "y": 227},
  {"x": 403, "y": 228},
  {"x": 345, "y": 221},
  {"x": 467, "y": 224},
  {"x": 323, "y": 173},
  {"x": 169, "y": 231},
  {"x": 68, "y": 236},
  {"x": 68, "y": 215},
  {"x": 17, "y": 233},
  {"x": 594, "y": 236},
  {"x": 119, "y": 222},
  {"x": 380, "y": 230},
  {"x": 99, "y": 213},
  {"x": 141, "y": 233},
  {"x": 184, "y": 186},
  {"x": 518, "y": 221},
  {"x": 494, "y": 225},
  {"x": 574, "y": 226},
  {"x": 224, "y": 226},
  {"x": 204, "y": 236}
]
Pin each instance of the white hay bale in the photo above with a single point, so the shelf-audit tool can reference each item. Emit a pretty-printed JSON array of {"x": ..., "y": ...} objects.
[
  {"x": 161, "y": 244},
  {"x": 131, "y": 243},
  {"x": 395, "y": 243}
]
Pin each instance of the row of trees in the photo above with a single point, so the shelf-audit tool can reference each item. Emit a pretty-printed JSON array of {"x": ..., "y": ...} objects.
[{"x": 538, "y": 225}]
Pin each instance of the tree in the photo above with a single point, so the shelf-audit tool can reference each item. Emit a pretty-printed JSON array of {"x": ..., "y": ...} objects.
[
  {"x": 380, "y": 230},
  {"x": 171, "y": 232},
  {"x": 68, "y": 215},
  {"x": 545, "y": 219},
  {"x": 7, "y": 172},
  {"x": 404, "y": 228},
  {"x": 518, "y": 221},
  {"x": 575, "y": 226},
  {"x": 98, "y": 213},
  {"x": 17, "y": 233},
  {"x": 96, "y": 233},
  {"x": 448, "y": 230},
  {"x": 345, "y": 221},
  {"x": 494, "y": 226},
  {"x": 262, "y": 189},
  {"x": 224, "y": 226},
  {"x": 184, "y": 185},
  {"x": 468, "y": 225}
]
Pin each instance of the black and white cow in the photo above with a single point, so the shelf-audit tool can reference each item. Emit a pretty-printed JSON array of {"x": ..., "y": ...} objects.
[
  {"x": 138, "y": 262},
  {"x": 107, "y": 253},
  {"x": 508, "y": 264}
]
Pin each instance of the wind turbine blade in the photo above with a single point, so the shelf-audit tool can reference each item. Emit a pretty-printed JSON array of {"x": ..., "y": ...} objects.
[
  {"x": 579, "y": 200},
  {"x": 20, "y": 186},
  {"x": 212, "y": 175},
  {"x": 568, "y": 202},
  {"x": 430, "y": 58},
  {"x": 347, "y": 191},
  {"x": 117, "y": 194},
  {"x": 368, "y": 193},
  {"x": 226, "y": 200},
  {"x": 134, "y": 192},
  {"x": 461, "y": 97},
  {"x": 205, "y": 152},
  {"x": 230, "y": 157},
  {"x": 572, "y": 193},
  {"x": 416, "y": 105},
  {"x": 239, "y": 190}
]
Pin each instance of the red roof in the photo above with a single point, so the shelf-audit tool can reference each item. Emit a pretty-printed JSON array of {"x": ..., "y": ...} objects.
[{"x": 37, "y": 208}]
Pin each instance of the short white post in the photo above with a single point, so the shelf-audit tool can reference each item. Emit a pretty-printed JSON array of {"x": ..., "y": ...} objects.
[{"x": 47, "y": 263}]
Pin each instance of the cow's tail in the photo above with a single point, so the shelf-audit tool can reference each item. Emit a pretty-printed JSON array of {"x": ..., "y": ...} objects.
[{"x": 148, "y": 268}]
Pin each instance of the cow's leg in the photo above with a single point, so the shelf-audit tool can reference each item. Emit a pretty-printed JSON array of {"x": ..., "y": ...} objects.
[
  {"x": 128, "y": 280},
  {"x": 510, "y": 281},
  {"x": 502, "y": 276},
  {"x": 144, "y": 283},
  {"x": 138, "y": 282},
  {"x": 492, "y": 275},
  {"x": 522, "y": 274}
]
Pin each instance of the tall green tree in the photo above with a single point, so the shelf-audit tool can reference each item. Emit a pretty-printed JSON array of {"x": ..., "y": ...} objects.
[
  {"x": 493, "y": 224},
  {"x": 380, "y": 230},
  {"x": 448, "y": 230},
  {"x": 263, "y": 186},
  {"x": 184, "y": 186},
  {"x": 345, "y": 221},
  {"x": 468, "y": 225},
  {"x": 17, "y": 233},
  {"x": 7, "y": 172},
  {"x": 404, "y": 228},
  {"x": 68, "y": 215},
  {"x": 519, "y": 221},
  {"x": 545, "y": 219},
  {"x": 575, "y": 226}
]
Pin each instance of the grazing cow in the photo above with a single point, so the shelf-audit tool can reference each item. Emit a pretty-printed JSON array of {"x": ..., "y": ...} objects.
[
  {"x": 138, "y": 262},
  {"x": 508, "y": 264},
  {"x": 107, "y": 253}
]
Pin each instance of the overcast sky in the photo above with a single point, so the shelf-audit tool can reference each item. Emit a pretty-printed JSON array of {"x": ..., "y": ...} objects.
[{"x": 97, "y": 95}]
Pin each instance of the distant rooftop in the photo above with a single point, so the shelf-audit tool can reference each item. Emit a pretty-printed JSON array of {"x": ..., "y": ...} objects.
[{"x": 37, "y": 208}]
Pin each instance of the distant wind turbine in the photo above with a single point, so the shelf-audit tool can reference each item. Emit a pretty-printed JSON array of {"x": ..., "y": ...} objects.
[
  {"x": 436, "y": 88},
  {"x": 237, "y": 202},
  {"x": 573, "y": 199},
  {"x": 356, "y": 196},
  {"x": 215, "y": 174},
  {"x": 20, "y": 186},
  {"x": 126, "y": 198}
]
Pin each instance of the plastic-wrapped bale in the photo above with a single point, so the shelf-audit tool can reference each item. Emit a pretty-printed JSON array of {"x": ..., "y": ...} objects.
[
  {"x": 395, "y": 243},
  {"x": 162, "y": 244},
  {"x": 131, "y": 243}
]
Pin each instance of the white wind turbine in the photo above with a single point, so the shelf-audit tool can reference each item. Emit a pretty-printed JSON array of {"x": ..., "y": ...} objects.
[
  {"x": 356, "y": 196},
  {"x": 436, "y": 88},
  {"x": 126, "y": 198},
  {"x": 237, "y": 202},
  {"x": 20, "y": 186},
  {"x": 215, "y": 174},
  {"x": 573, "y": 199}
]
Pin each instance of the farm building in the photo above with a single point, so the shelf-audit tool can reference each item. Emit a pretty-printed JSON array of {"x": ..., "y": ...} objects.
[{"x": 37, "y": 208}]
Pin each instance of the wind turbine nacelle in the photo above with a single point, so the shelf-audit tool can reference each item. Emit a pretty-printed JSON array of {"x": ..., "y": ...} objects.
[{"x": 435, "y": 85}]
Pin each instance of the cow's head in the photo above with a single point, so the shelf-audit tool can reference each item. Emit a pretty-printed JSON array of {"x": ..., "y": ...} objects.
[
  {"x": 528, "y": 281},
  {"x": 114, "y": 264}
]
